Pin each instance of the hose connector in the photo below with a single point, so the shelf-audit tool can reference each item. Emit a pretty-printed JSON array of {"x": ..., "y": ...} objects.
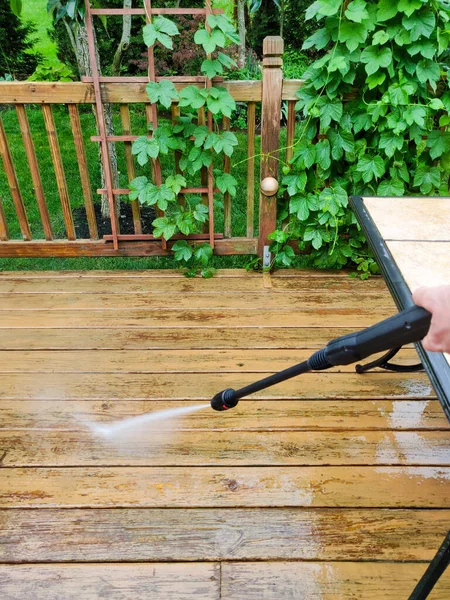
[
  {"x": 318, "y": 361},
  {"x": 224, "y": 400}
]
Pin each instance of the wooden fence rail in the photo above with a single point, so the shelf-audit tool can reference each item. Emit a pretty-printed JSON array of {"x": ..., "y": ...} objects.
[{"x": 267, "y": 94}]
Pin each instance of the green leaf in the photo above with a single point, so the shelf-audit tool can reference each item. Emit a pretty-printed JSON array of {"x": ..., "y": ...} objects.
[
  {"x": 16, "y": 7},
  {"x": 200, "y": 134},
  {"x": 425, "y": 48},
  {"x": 201, "y": 213},
  {"x": 380, "y": 38},
  {"x": 356, "y": 11},
  {"x": 353, "y": 34},
  {"x": 225, "y": 25},
  {"x": 341, "y": 141},
  {"x": 203, "y": 254},
  {"x": 163, "y": 92},
  {"x": 398, "y": 95},
  {"x": 285, "y": 256},
  {"x": 145, "y": 149},
  {"x": 323, "y": 154},
  {"x": 224, "y": 143},
  {"x": 208, "y": 273},
  {"x": 161, "y": 30},
  {"x": 184, "y": 221},
  {"x": 391, "y": 187},
  {"x": 193, "y": 97},
  {"x": 427, "y": 178},
  {"x": 166, "y": 26},
  {"x": 220, "y": 101},
  {"x": 420, "y": 23},
  {"x": 196, "y": 159},
  {"x": 438, "y": 142},
  {"x": 211, "y": 68},
  {"x": 415, "y": 114},
  {"x": 164, "y": 227},
  {"x": 314, "y": 236},
  {"x": 318, "y": 40},
  {"x": 295, "y": 183},
  {"x": 185, "y": 126},
  {"x": 161, "y": 196},
  {"x": 371, "y": 167},
  {"x": 332, "y": 199},
  {"x": 409, "y": 6},
  {"x": 387, "y": 9},
  {"x": 139, "y": 189},
  {"x": 375, "y": 58},
  {"x": 298, "y": 205},
  {"x": 165, "y": 139},
  {"x": 304, "y": 154},
  {"x": 227, "y": 183},
  {"x": 328, "y": 7},
  {"x": 390, "y": 143},
  {"x": 330, "y": 111},
  {"x": 375, "y": 80},
  {"x": 428, "y": 71},
  {"x": 175, "y": 183},
  {"x": 210, "y": 40},
  {"x": 226, "y": 60},
  {"x": 183, "y": 250}
]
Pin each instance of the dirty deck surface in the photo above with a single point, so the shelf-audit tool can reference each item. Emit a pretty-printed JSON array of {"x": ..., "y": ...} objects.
[{"x": 331, "y": 486}]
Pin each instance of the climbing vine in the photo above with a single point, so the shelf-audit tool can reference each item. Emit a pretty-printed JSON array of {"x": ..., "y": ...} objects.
[
  {"x": 196, "y": 144},
  {"x": 375, "y": 114}
]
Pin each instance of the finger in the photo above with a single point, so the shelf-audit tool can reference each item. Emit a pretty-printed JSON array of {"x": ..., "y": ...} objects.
[{"x": 419, "y": 295}]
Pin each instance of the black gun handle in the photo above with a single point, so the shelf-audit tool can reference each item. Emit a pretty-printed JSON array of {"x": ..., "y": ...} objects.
[{"x": 406, "y": 327}]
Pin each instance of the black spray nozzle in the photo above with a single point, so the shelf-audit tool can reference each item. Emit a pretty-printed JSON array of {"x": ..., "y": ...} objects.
[{"x": 224, "y": 400}]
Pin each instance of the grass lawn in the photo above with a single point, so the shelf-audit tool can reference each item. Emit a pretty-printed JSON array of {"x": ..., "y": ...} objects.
[{"x": 75, "y": 192}]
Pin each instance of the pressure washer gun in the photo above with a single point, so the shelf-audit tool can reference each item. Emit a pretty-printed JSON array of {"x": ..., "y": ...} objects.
[{"x": 406, "y": 327}]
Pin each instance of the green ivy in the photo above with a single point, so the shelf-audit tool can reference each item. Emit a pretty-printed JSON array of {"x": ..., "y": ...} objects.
[
  {"x": 195, "y": 144},
  {"x": 375, "y": 115}
]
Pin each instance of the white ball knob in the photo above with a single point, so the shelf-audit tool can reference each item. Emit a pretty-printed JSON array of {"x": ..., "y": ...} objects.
[{"x": 269, "y": 186}]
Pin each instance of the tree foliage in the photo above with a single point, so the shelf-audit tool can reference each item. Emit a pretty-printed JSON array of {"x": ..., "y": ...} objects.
[{"x": 16, "y": 42}]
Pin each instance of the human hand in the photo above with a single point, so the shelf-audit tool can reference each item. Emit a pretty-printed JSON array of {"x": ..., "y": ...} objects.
[{"x": 437, "y": 301}]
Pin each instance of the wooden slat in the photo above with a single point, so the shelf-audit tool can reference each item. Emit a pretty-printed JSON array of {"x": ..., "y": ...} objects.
[
  {"x": 4, "y": 233},
  {"x": 227, "y": 197},
  {"x": 83, "y": 168},
  {"x": 171, "y": 361},
  {"x": 207, "y": 301},
  {"x": 251, "y": 133},
  {"x": 59, "y": 170},
  {"x": 290, "y": 133},
  {"x": 16, "y": 195},
  {"x": 34, "y": 170},
  {"x": 113, "y": 581},
  {"x": 34, "y": 535},
  {"x": 39, "y": 92},
  {"x": 131, "y": 171},
  {"x": 325, "y": 581},
  {"x": 147, "y": 445},
  {"x": 175, "y": 487},
  {"x": 252, "y": 415},
  {"x": 92, "y": 248},
  {"x": 290, "y": 89}
]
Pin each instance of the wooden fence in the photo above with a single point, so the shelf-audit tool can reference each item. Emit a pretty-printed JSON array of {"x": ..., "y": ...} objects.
[{"x": 268, "y": 94}]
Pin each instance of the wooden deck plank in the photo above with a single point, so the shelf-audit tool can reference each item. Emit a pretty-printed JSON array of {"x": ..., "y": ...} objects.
[
  {"x": 169, "y": 361},
  {"x": 325, "y": 581},
  {"x": 188, "y": 386},
  {"x": 148, "y": 446},
  {"x": 252, "y": 415},
  {"x": 206, "y": 301},
  {"x": 35, "y": 535},
  {"x": 114, "y": 581},
  {"x": 171, "y": 487}
]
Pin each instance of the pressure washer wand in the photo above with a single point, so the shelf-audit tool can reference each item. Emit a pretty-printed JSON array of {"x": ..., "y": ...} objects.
[{"x": 406, "y": 327}]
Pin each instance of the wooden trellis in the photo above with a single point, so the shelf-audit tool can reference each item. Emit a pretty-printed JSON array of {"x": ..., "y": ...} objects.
[{"x": 207, "y": 187}]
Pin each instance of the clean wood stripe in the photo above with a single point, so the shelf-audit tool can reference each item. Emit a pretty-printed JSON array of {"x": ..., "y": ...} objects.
[
  {"x": 324, "y": 581},
  {"x": 251, "y": 135},
  {"x": 170, "y": 581},
  {"x": 131, "y": 170},
  {"x": 4, "y": 233},
  {"x": 186, "y": 386},
  {"x": 169, "y": 361},
  {"x": 120, "y": 318},
  {"x": 59, "y": 170},
  {"x": 170, "y": 338},
  {"x": 83, "y": 168},
  {"x": 263, "y": 300},
  {"x": 114, "y": 284},
  {"x": 14, "y": 188},
  {"x": 172, "y": 487},
  {"x": 35, "y": 535},
  {"x": 149, "y": 446},
  {"x": 34, "y": 170},
  {"x": 252, "y": 415}
]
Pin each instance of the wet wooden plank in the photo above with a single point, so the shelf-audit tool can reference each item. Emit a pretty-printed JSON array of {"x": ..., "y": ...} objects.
[
  {"x": 35, "y": 535},
  {"x": 120, "y": 318},
  {"x": 252, "y": 415},
  {"x": 325, "y": 581},
  {"x": 186, "y": 386},
  {"x": 414, "y": 259},
  {"x": 113, "y": 581},
  {"x": 148, "y": 445},
  {"x": 175, "y": 337},
  {"x": 172, "y": 487},
  {"x": 169, "y": 361},
  {"x": 208, "y": 301},
  {"x": 424, "y": 218}
]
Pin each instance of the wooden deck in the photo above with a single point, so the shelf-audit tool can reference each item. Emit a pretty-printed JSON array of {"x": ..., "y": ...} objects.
[{"x": 331, "y": 486}]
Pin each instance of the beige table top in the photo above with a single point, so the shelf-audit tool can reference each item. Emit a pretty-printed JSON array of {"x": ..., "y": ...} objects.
[{"x": 417, "y": 233}]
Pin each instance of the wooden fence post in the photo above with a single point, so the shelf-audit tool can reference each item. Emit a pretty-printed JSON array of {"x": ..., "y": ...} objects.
[{"x": 272, "y": 86}]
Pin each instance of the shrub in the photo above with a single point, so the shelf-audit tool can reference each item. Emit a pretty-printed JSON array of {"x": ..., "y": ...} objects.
[{"x": 16, "y": 40}]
